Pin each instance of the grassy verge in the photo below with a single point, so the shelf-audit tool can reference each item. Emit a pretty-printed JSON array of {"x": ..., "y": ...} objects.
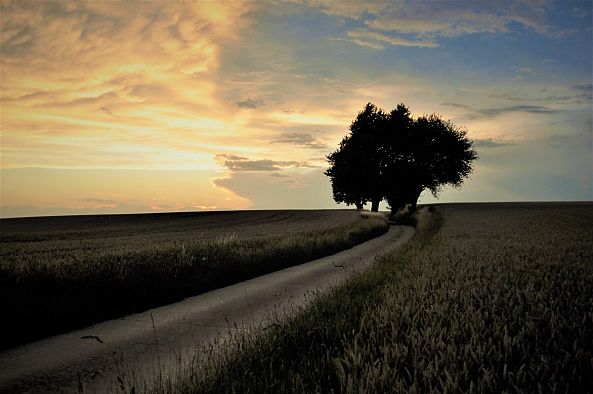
[
  {"x": 490, "y": 299},
  {"x": 42, "y": 297}
]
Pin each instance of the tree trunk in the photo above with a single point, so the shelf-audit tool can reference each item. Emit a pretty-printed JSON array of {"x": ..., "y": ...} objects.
[
  {"x": 359, "y": 206},
  {"x": 375, "y": 206},
  {"x": 413, "y": 206}
]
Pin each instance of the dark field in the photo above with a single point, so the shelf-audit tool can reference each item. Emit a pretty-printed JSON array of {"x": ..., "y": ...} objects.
[
  {"x": 133, "y": 230},
  {"x": 60, "y": 273},
  {"x": 485, "y": 298}
]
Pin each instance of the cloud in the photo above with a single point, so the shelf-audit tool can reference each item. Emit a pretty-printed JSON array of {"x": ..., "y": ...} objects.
[
  {"x": 442, "y": 19},
  {"x": 456, "y": 105},
  {"x": 148, "y": 67},
  {"x": 100, "y": 36},
  {"x": 477, "y": 113},
  {"x": 99, "y": 200},
  {"x": 349, "y": 9},
  {"x": 362, "y": 43},
  {"x": 239, "y": 163},
  {"x": 102, "y": 203},
  {"x": 575, "y": 94},
  {"x": 278, "y": 175},
  {"x": 108, "y": 111},
  {"x": 222, "y": 157},
  {"x": 377, "y": 40},
  {"x": 492, "y": 112},
  {"x": 491, "y": 143},
  {"x": 261, "y": 165},
  {"x": 420, "y": 24},
  {"x": 446, "y": 19},
  {"x": 300, "y": 139},
  {"x": 584, "y": 92},
  {"x": 299, "y": 189},
  {"x": 249, "y": 103},
  {"x": 580, "y": 12},
  {"x": 522, "y": 72}
]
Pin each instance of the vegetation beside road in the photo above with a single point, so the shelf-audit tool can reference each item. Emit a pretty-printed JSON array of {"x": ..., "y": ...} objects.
[
  {"x": 62, "y": 273},
  {"x": 484, "y": 298}
]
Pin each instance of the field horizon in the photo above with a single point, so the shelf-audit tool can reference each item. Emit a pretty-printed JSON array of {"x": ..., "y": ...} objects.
[{"x": 384, "y": 208}]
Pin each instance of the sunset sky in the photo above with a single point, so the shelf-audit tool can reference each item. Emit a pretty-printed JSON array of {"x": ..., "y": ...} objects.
[{"x": 113, "y": 107}]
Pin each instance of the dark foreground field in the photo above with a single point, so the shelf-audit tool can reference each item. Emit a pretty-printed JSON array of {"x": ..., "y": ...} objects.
[
  {"x": 60, "y": 273},
  {"x": 485, "y": 298}
]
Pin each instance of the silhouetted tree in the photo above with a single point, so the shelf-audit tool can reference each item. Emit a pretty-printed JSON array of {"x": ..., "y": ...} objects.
[
  {"x": 355, "y": 168},
  {"x": 394, "y": 157},
  {"x": 397, "y": 158},
  {"x": 440, "y": 154},
  {"x": 346, "y": 175}
]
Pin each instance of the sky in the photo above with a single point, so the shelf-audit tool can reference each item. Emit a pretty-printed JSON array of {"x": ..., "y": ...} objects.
[{"x": 120, "y": 107}]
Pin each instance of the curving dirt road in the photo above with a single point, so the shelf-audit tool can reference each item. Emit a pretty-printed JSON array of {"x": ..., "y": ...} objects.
[{"x": 92, "y": 359}]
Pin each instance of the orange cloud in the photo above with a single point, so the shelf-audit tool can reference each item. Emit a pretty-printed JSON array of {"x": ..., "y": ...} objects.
[{"x": 93, "y": 78}]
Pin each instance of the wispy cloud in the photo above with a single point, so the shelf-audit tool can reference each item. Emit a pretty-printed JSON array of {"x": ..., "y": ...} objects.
[
  {"x": 580, "y": 12},
  {"x": 239, "y": 163},
  {"x": 148, "y": 67},
  {"x": 491, "y": 143},
  {"x": 249, "y": 103},
  {"x": 420, "y": 24},
  {"x": 456, "y": 105},
  {"x": 574, "y": 94},
  {"x": 584, "y": 92},
  {"x": 440, "y": 19},
  {"x": 108, "y": 111},
  {"x": 378, "y": 40},
  {"x": 491, "y": 112},
  {"x": 349, "y": 9},
  {"x": 105, "y": 201},
  {"x": 300, "y": 139}
]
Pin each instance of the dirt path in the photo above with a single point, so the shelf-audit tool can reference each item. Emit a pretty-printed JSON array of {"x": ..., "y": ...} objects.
[{"x": 138, "y": 345}]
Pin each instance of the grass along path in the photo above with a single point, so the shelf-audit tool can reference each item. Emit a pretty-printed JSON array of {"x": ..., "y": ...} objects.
[
  {"x": 485, "y": 298},
  {"x": 54, "y": 279}
]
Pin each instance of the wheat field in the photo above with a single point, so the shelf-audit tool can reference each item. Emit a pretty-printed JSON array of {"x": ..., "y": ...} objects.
[
  {"x": 485, "y": 298},
  {"x": 61, "y": 273}
]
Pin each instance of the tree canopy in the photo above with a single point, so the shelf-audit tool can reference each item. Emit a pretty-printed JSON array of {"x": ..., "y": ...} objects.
[
  {"x": 395, "y": 157},
  {"x": 355, "y": 172}
]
